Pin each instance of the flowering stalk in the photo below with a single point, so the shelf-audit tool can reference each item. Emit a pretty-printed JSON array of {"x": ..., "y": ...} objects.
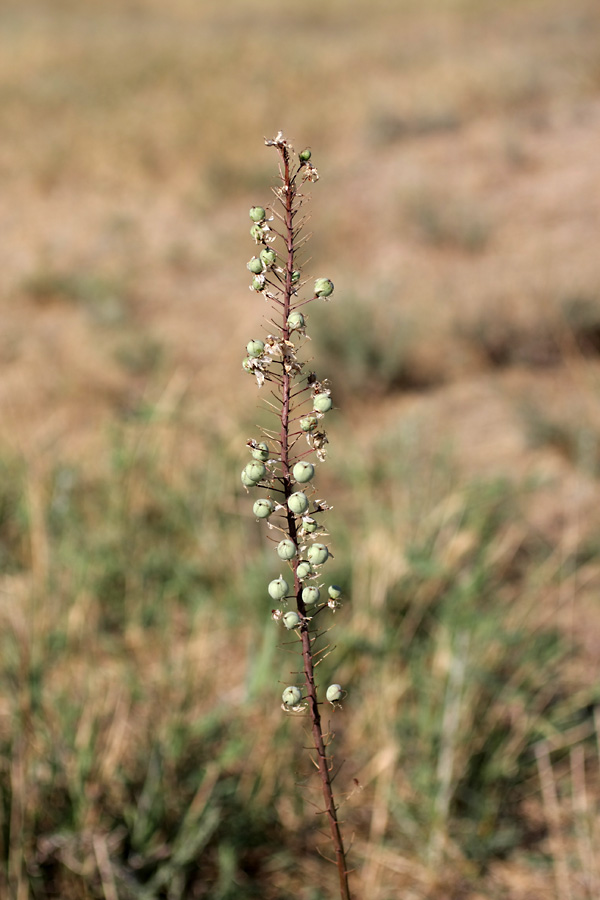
[{"x": 279, "y": 464}]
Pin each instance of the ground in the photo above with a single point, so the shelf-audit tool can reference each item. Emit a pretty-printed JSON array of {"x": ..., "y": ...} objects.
[{"x": 457, "y": 213}]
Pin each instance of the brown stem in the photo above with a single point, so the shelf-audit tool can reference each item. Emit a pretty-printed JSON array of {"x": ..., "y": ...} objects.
[{"x": 323, "y": 761}]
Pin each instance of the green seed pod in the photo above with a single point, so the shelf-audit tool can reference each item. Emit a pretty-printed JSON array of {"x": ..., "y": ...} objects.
[
  {"x": 322, "y": 403},
  {"x": 278, "y": 588},
  {"x": 246, "y": 365},
  {"x": 257, "y": 214},
  {"x": 263, "y": 508},
  {"x": 255, "y": 265},
  {"x": 309, "y": 423},
  {"x": 255, "y": 348},
  {"x": 317, "y": 554},
  {"x": 255, "y": 471},
  {"x": 256, "y": 232},
  {"x": 291, "y": 696},
  {"x": 305, "y": 155},
  {"x": 311, "y": 595},
  {"x": 258, "y": 284},
  {"x": 298, "y": 503},
  {"x": 309, "y": 525},
  {"x": 323, "y": 287},
  {"x": 334, "y": 693},
  {"x": 291, "y": 619},
  {"x": 267, "y": 256},
  {"x": 334, "y": 591},
  {"x": 304, "y": 569},
  {"x": 303, "y": 471},
  {"x": 261, "y": 452},
  {"x": 295, "y": 321},
  {"x": 246, "y": 481},
  {"x": 295, "y": 276},
  {"x": 286, "y": 549}
]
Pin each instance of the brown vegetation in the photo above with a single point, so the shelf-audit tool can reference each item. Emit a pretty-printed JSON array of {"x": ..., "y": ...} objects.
[{"x": 459, "y": 221}]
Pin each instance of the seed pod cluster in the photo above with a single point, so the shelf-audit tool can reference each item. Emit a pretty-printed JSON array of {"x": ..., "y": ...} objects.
[{"x": 278, "y": 464}]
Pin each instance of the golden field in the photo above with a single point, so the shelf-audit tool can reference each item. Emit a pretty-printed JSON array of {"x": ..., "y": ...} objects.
[{"x": 143, "y": 752}]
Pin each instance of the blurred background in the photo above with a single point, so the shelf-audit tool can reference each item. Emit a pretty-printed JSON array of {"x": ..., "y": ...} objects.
[{"x": 143, "y": 752}]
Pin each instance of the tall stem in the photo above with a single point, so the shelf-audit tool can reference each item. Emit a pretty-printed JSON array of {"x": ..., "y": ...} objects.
[{"x": 323, "y": 761}]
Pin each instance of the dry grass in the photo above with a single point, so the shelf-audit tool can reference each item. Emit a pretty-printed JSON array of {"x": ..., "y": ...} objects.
[{"x": 458, "y": 210}]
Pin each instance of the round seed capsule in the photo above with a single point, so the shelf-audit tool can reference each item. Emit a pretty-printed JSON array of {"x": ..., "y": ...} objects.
[
  {"x": 323, "y": 287},
  {"x": 246, "y": 365},
  {"x": 295, "y": 321},
  {"x": 246, "y": 481},
  {"x": 261, "y": 452},
  {"x": 263, "y": 508},
  {"x": 286, "y": 549},
  {"x": 255, "y": 348},
  {"x": 291, "y": 696},
  {"x": 309, "y": 423},
  {"x": 291, "y": 619},
  {"x": 334, "y": 591},
  {"x": 311, "y": 595},
  {"x": 304, "y": 569},
  {"x": 295, "y": 276},
  {"x": 298, "y": 503},
  {"x": 255, "y": 265},
  {"x": 305, "y": 155},
  {"x": 303, "y": 471},
  {"x": 278, "y": 588},
  {"x": 334, "y": 693},
  {"x": 268, "y": 256},
  {"x": 322, "y": 403},
  {"x": 256, "y": 232},
  {"x": 255, "y": 471},
  {"x": 317, "y": 554},
  {"x": 257, "y": 213},
  {"x": 258, "y": 284},
  {"x": 309, "y": 525}
]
